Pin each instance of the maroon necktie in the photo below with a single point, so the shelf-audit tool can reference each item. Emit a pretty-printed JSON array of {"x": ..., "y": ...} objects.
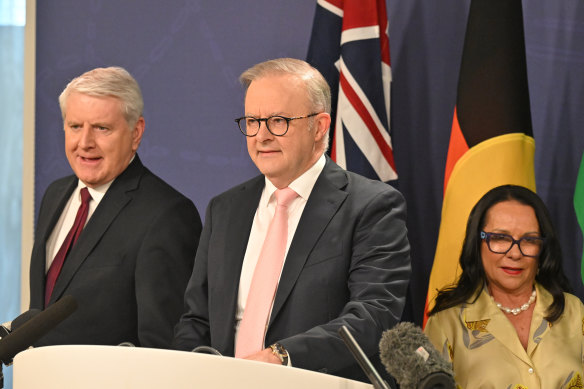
[{"x": 69, "y": 241}]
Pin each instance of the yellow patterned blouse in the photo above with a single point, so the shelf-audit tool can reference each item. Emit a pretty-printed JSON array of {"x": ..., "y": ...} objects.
[{"x": 486, "y": 352}]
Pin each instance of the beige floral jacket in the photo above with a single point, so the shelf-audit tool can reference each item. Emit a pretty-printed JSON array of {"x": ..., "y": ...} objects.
[{"x": 486, "y": 352}]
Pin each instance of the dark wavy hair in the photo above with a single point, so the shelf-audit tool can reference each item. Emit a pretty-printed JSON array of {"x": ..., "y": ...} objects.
[{"x": 550, "y": 273}]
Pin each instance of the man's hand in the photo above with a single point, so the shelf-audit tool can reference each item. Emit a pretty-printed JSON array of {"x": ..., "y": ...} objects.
[{"x": 266, "y": 355}]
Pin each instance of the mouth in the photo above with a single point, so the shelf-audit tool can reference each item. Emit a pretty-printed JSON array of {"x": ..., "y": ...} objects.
[
  {"x": 90, "y": 160},
  {"x": 513, "y": 271},
  {"x": 267, "y": 152}
]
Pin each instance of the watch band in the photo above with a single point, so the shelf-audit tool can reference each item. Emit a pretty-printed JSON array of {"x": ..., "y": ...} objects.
[{"x": 279, "y": 351}]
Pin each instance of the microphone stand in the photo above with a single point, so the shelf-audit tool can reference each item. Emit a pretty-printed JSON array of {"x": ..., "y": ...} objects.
[
  {"x": 364, "y": 362},
  {"x": 3, "y": 333}
]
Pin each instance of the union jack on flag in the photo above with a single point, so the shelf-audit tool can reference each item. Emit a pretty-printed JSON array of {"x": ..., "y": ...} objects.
[{"x": 350, "y": 47}]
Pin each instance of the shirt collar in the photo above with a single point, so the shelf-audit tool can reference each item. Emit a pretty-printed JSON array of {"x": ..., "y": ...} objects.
[
  {"x": 485, "y": 308},
  {"x": 96, "y": 193},
  {"x": 302, "y": 185}
]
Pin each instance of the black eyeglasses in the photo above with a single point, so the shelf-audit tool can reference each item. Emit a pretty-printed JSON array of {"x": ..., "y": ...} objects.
[
  {"x": 277, "y": 125},
  {"x": 529, "y": 246}
]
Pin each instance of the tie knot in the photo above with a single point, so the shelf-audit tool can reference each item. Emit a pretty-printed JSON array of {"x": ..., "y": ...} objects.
[
  {"x": 85, "y": 196},
  {"x": 285, "y": 196}
]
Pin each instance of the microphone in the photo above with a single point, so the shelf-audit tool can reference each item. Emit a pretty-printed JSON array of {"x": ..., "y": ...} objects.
[
  {"x": 206, "y": 350},
  {"x": 23, "y": 318},
  {"x": 10, "y": 326},
  {"x": 36, "y": 327},
  {"x": 408, "y": 355},
  {"x": 364, "y": 362}
]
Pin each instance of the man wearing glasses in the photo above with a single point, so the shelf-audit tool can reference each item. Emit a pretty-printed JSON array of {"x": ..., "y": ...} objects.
[{"x": 287, "y": 258}]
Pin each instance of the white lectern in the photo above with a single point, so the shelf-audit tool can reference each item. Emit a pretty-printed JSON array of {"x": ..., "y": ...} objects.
[{"x": 111, "y": 367}]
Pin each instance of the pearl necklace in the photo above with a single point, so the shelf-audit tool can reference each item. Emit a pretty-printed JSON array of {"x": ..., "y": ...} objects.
[{"x": 516, "y": 311}]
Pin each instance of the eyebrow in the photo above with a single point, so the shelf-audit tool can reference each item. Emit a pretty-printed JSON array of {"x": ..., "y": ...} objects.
[
  {"x": 506, "y": 232},
  {"x": 271, "y": 114},
  {"x": 95, "y": 124}
]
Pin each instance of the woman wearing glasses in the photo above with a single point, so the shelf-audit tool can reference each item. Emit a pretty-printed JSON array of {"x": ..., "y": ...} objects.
[{"x": 509, "y": 321}]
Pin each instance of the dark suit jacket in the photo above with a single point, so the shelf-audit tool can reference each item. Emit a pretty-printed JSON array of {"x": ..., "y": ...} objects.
[
  {"x": 348, "y": 264},
  {"x": 130, "y": 266}
]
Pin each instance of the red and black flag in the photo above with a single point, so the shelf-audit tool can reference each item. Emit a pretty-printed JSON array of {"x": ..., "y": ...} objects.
[{"x": 491, "y": 142}]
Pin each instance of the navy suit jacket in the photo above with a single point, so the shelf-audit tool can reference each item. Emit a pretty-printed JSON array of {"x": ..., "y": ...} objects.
[
  {"x": 130, "y": 266},
  {"x": 348, "y": 264}
]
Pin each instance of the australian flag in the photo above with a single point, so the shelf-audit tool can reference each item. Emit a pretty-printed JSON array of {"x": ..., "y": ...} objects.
[{"x": 350, "y": 47}]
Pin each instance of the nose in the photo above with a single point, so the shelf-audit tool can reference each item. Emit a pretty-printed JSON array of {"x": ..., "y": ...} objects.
[
  {"x": 263, "y": 132},
  {"x": 514, "y": 252},
  {"x": 86, "y": 137}
]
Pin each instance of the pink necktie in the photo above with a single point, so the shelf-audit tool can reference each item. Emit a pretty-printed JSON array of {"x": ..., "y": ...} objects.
[
  {"x": 250, "y": 338},
  {"x": 69, "y": 241}
]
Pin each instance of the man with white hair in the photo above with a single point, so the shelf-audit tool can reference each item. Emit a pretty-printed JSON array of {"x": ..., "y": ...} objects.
[{"x": 114, "y": 236}]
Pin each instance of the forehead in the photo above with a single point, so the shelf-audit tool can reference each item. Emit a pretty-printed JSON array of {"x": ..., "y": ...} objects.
[
  {"x": 276, "y": 94},
  {"x": 511, "y": 213},
  {"x": 82, "y": 106}
]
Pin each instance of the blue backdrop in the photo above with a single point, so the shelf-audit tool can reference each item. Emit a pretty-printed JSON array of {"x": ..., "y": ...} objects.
[{"x": 187, "y": 56}]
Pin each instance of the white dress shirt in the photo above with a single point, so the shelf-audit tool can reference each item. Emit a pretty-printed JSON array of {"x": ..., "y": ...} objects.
[
  {"x": 265, "y": 212},
  {"x": 68, "y": 215}
]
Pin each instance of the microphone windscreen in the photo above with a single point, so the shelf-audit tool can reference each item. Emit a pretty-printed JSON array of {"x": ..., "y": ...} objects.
[
  {"x": 28, "y": 333},
  {"x": 23, "y": 318},
  {"x": 206, "y": 350},
  {"x": 409, "y": 356}
]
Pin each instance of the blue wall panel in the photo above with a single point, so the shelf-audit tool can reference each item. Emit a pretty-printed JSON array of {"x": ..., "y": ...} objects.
[{"x": 188, "y": 54}]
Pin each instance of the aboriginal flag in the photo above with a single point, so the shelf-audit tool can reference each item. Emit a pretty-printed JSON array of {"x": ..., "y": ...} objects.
[{"x": 491, "y": 142}]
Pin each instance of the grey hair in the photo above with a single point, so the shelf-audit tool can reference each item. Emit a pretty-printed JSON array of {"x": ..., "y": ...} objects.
[
  {"x": 111, "y": 81},
  {"x": 317, "y": 88}
]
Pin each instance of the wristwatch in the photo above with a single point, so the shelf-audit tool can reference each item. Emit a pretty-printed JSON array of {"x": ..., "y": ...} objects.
[{"x": 279, "y": 351}]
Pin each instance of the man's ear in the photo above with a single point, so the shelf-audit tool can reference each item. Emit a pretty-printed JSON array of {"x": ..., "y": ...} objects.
[
  {"x": 322, "y": 123},
  {"x": 137, "y": 133}
]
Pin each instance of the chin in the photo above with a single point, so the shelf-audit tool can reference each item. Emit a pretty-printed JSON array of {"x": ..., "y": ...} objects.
[
  {"x": 267, "y": 169},
  {"x": 89, "y": 179}
]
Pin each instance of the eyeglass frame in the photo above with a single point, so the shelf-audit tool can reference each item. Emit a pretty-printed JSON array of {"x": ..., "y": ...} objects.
[
  {"x": 486, "y": 236},
  {"x": 265, "y": 120}
]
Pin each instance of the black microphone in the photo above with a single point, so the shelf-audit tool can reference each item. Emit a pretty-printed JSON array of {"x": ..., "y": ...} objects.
[
  {"x": 408, "y": 355},
  {"x": 23, "y": 318},
  {"x": 10, "y": 326},
  {"x": 206, "y": 350},
  {"x": 36, "y": 327},
  {"x": 364, "y": 362}
]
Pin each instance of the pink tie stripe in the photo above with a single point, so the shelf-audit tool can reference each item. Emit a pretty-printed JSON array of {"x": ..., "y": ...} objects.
[{"x": 250, "y": 338}]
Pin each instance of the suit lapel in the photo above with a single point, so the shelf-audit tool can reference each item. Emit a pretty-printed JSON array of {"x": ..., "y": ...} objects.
[
  {"x": 242, "y": 209},
  {"x": 539, "y": 325},
  {"x": 483, "y": 310},
  {"x": 46, "y": 224},
  {"x": 323, "y": 203},
  {"x": 115, "y": 199}
]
